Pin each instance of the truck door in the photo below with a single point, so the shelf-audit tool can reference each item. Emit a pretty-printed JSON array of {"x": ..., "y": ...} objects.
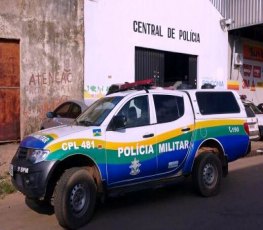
[
  {"x": 174, "y": 125},
  {"x": 131, "y": 155}
]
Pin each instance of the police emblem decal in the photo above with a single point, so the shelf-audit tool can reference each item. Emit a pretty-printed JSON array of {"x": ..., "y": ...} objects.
[{"x": 135, "y": 167}]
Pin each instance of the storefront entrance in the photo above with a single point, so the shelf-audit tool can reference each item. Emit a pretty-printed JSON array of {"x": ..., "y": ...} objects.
[{"x": 168, "y": 67}]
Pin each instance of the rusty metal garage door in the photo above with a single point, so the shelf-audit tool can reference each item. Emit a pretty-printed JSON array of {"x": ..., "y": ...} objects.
[{"x": 9, "y": 90}]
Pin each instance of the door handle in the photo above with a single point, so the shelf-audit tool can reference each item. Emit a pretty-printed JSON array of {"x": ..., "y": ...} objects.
[
  {"x": 185, "y": 129},
  {"x": 148, "y": 135}
]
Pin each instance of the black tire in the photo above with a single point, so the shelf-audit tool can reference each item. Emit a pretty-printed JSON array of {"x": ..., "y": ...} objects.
[
  {"x": 74, "y": 198},
  {"x": 207, "y": 174}
]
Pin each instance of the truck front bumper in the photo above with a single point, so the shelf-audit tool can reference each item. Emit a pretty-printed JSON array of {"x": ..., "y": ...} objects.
[{"x": 30, "y": 179}]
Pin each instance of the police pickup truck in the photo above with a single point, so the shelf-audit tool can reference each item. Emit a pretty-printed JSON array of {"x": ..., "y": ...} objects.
[{"x": 129, "y": 140}]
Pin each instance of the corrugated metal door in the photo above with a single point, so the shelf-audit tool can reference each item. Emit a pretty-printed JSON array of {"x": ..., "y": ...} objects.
[
  {"x": 192, "y": 71},
  {"x": 148, "y": 64},
  {"x": 9, "y": 90}
]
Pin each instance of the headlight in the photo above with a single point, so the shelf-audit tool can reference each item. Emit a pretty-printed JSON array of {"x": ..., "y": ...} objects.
[{"x": 37, "y": 155}]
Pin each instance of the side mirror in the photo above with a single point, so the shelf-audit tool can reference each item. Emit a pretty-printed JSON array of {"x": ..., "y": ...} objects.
[
  {"x": 50, "y": 115},
  {"x": 118, "y": 122}
]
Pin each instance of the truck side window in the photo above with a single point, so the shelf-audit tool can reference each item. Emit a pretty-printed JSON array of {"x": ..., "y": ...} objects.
[
  {"x": 136, "y": 111},
  {"x": 217, "y": 103},
  {"x": 168, "y": 108}
]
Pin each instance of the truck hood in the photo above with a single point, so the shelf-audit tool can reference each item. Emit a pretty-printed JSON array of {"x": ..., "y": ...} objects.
[{"x": 42, "y": 138}]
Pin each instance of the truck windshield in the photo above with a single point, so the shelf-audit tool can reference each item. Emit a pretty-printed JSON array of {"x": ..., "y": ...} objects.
[{"x": 98, "y": 111}]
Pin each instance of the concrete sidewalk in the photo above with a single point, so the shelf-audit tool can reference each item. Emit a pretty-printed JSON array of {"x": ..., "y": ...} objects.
[{"x": 256, "y": 148}]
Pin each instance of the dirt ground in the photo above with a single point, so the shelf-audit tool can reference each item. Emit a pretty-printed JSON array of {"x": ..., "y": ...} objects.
[{"x": 234, "y": 208}]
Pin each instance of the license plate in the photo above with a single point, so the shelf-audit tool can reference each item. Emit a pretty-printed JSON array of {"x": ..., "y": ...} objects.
[
  {"x": 251, "y": 126},
  {"x": 11, "y": 170}
]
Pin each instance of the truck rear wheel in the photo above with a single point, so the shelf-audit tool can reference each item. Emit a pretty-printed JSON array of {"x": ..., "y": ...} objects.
[
  {"x": 74, "y": 198},
  {"x": 207, "y": 174}
]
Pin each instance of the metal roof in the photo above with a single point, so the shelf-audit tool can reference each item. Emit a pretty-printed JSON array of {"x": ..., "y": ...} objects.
[
  {"x": 244, "y": 12},
  {"x": 246, "y": 17}
]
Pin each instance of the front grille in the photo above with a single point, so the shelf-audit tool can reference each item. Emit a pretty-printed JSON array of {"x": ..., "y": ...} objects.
[{"x": 22, "y": 153}]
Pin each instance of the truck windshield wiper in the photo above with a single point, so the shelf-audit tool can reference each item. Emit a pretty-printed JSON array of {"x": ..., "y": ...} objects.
[{"x": 85, "y": 123}]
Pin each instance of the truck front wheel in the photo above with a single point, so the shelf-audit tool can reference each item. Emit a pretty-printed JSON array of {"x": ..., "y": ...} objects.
[
  {"x": 74, "y": 198},
  {"x": 207, "y": 174}
]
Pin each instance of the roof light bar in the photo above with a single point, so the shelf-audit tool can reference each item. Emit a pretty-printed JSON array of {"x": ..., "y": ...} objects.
[{"x": 137, "y": 84}]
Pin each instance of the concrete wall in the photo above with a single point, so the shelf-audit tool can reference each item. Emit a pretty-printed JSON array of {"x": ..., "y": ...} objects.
[{"x": 51, "y": 53}]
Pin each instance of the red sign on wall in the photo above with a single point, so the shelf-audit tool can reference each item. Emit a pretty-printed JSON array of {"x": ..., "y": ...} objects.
[
  {"x": 247, "y": 70},
  {"x": 253, "y": 52},
  {"x": 257, "y": 71}
]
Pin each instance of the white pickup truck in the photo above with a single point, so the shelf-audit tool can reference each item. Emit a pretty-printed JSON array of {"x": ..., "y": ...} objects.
[{"x": 130, "y": 140}]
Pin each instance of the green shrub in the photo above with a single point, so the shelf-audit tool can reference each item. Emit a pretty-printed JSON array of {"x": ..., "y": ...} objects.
[{"x": 6, "y": 187}]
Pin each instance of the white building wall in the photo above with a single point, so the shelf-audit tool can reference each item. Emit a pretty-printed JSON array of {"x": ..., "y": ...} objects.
[{"x": 110, "y": 39}]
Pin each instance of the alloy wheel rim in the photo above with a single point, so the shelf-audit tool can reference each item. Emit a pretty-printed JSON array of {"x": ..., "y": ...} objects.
[{"x": 209, "y": 174}]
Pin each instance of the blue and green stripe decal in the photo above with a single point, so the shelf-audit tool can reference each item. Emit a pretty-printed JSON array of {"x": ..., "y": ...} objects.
[{"x": 153, "y": 157}]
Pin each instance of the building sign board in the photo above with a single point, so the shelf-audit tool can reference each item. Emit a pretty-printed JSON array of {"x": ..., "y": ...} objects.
[{"x": 252, "y": 52}]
